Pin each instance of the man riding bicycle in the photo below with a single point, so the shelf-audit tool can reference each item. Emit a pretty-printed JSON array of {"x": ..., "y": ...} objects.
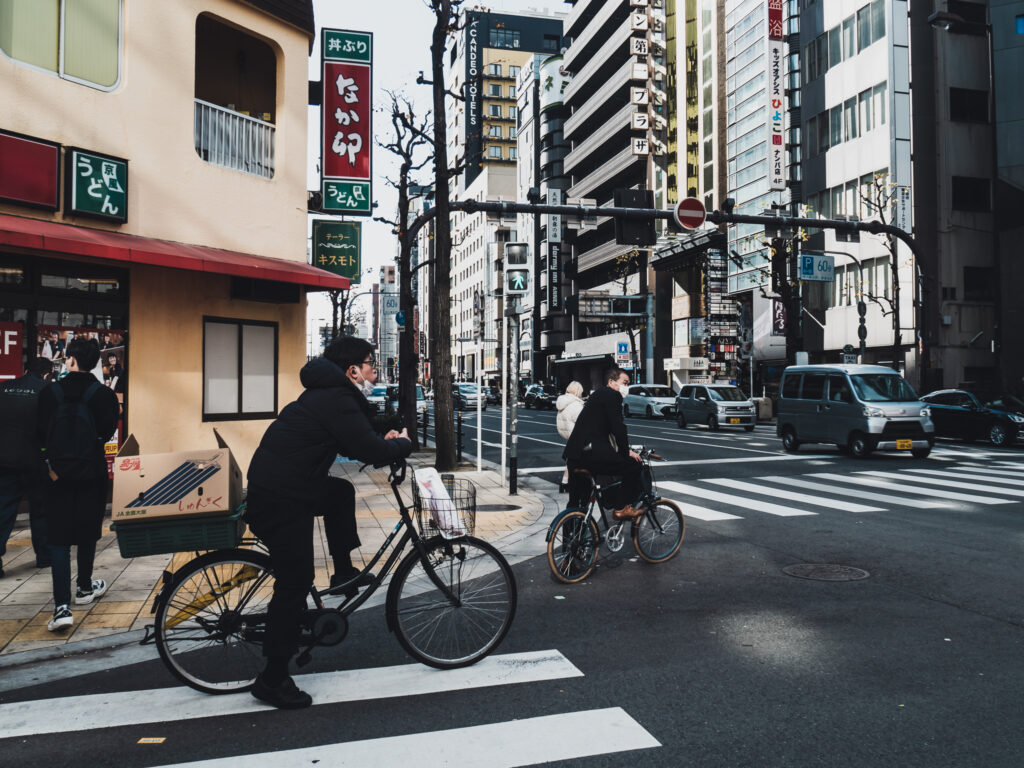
[
  {"x": 599, "y": 443},
  {"x": 289, "y": 485}
]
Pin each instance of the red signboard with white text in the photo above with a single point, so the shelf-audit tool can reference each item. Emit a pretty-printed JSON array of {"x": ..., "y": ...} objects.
[
  {"x": 11, "y": 338},
  {"x": 346, "y": 139},
  {"x": 29, "y": 171}
]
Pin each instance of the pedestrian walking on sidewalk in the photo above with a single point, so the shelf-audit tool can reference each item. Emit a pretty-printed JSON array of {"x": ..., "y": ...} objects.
[
  {"x": 289, "y": 484},
  {"x": 77, "y": 415},
  {"x": 569, "y": 406},
  {"x": 21, "y": 465}
]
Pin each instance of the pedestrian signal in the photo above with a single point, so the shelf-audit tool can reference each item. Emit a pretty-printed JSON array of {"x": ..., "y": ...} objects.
[
  {"x": 517, "y": 281},
  {"x": 517, "y": 268}
]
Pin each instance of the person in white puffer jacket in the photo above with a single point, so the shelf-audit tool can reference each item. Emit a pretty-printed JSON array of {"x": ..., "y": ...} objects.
[{"x": 569, "y": 406}]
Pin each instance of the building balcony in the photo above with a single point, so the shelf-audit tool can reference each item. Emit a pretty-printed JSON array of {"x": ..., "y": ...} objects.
[
  {"x": 592, "y": 143},
  {"x": 232, "y": 140},
  {"x": 581, "y": 12},
  {"x": 615, "y": 49},
  {"x": 603, "y": 253},
  {"x": 604, "y": 174},
  {"x": 586, "y": 43},
  {"x": 599, "y": 101}
]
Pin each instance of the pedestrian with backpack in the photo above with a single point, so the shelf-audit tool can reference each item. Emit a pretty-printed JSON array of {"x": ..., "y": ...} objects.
[{"x": 77, "y": 415}]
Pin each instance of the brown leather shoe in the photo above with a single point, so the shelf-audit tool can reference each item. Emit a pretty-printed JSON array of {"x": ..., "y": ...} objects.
[{"x": 627, "y": 512}]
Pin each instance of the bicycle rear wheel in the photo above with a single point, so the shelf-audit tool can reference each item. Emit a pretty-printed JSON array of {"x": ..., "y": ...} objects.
[
  {"x": 572, "y": 547},
  {"x": 209, "y": 629},
  {"x": 433, "y": 630},
  {"x": 658, "y": 533}
]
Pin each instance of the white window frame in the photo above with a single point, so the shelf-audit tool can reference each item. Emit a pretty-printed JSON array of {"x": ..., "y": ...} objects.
[{"x": 240, "y": 362}]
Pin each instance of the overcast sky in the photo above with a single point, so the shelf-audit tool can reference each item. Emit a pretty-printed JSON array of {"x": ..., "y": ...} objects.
[{"x": 401, "y": 35}]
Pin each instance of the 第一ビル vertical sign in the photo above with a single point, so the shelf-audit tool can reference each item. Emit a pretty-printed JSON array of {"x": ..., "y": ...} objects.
[
  {"x": 337, "y": 247},
  {"x": 97, "y": 185},
  {"x": 346, "y": 137},
  {"x": 775, "y": 95}
]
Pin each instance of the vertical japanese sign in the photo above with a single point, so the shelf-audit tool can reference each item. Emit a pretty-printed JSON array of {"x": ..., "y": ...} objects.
[
  {"x": 775, "y": 95},
  {"x": 97, "y": 185},
  {"x": 337, "y": 247},
  {"x": 346, "y": 138}
]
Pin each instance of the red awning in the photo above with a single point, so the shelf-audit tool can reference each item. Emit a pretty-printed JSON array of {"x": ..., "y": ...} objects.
[{"x": 64, "y": 239}]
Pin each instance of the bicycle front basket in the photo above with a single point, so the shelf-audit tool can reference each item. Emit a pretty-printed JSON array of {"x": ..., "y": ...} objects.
[{"x": 452, "y": 514}]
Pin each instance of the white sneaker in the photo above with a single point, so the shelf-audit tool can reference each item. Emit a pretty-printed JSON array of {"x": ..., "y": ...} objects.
[
  {"x": 99, "y": 586},
  {"x": 62, "y": 619}
]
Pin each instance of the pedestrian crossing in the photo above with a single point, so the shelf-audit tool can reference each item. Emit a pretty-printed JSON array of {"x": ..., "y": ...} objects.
[
  {"x": 565, "y": 736},
  {"x": 864, "y": 491}
]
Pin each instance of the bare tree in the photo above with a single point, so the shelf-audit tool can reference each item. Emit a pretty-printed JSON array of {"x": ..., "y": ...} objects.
[
  {"x": 878, "y": 197},
  {"x": 408, "y": 141},
  {"x": 625, "y": 266}
]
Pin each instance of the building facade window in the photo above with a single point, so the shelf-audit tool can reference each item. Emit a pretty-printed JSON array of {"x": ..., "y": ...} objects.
[
  {"x": 494, "y": 152},
  {"x": 78, "y": 40},
  {"x": 493, "y": 89},
  {"x": 504, "y": 38},
  {"x": 239, "y": 369},
  {"x": 494, "y": 131},
  {"x": 494, "y": 110},
  {"x": 513, "y": 153},
  {"x": 494, "y": 70},
  {"x": 513, "y": 70}
]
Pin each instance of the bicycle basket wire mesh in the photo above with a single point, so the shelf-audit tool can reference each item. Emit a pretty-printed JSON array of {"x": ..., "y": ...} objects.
[{"x": 448, "y": 514}]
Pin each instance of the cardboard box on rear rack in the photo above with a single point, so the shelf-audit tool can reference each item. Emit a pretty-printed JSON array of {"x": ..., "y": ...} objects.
[{"x": 201, "y": 482}]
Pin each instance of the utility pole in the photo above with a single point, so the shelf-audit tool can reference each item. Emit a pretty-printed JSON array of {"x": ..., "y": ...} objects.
[{"x": 513, "y": 455}]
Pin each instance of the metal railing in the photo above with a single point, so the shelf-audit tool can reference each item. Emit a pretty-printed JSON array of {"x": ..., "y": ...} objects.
[{"x": 231, "y": 140}]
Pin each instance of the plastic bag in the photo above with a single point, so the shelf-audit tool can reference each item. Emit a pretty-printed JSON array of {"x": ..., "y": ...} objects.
[{"x": 442, "y": 509}]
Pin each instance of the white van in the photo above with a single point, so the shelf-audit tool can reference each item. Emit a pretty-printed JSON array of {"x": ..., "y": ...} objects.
[{"x": 859, "y": 408}]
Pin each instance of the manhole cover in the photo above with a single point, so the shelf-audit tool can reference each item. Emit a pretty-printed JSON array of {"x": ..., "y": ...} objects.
[
  {"x": 825, "y": 572},
  {"x": 496, "y": 507}
]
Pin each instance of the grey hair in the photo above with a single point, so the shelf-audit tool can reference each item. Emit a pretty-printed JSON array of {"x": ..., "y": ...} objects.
[{"x": 574, "y": 388}]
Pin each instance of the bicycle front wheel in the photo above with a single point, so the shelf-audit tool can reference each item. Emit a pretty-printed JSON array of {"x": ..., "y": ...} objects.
[
  {"x": 572, "y": 547},
  {"x": 434, "y": 630},
  {"x": 210, "y": 626},
  {"x": 658, "y": 533}
]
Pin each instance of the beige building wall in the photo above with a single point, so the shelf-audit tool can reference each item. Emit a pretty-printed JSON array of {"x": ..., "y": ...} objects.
[{"x": 148, "y": 119}]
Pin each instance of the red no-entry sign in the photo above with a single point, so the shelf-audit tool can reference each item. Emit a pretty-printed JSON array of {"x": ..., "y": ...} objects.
[{"x": 690, "y": 213}]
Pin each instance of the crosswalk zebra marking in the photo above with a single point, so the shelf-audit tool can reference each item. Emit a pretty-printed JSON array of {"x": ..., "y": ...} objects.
[
  {"x": 530, "y": 741},
  {"x": 997, "y": 470},
  {"x": 981, "y": 477},
  {"x": 792, "y": 495},
  {"x": 728, "y": 498},
  {"x": 702, "y": 513},
  {"x": 108, "y": 710},
  {"x": 947, "y": 483},
  {"x": 907, "y": 488},
  {"x": 832, "y": 488}
]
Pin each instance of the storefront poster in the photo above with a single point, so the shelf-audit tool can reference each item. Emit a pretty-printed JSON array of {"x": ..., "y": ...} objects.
[{"x": 10, "y": 350}]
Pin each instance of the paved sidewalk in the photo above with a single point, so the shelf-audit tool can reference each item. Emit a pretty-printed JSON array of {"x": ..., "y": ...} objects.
[{"x": 515, "y": 524}]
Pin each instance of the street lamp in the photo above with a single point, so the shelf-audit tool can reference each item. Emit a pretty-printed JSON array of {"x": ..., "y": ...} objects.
[{"x": 862, "y": 307}]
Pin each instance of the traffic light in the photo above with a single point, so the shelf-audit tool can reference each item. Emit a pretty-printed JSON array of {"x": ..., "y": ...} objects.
[
  {"x": 517, "y": 269},
  {"x": 634, "y": 231}
]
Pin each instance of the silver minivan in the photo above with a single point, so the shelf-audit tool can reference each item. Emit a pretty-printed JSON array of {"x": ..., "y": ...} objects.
[
  {"x": 715, "y": 405},
  {"x": 859, "y": 408}
]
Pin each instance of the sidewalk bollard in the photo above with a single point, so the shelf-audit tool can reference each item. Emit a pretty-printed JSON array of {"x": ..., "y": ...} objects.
[
  {"x": 458, "y": 436},
  {"x": 426, "y": 421}
]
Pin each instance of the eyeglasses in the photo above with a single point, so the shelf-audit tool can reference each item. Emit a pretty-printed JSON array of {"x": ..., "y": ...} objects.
[{"x": 370, "y": 361}]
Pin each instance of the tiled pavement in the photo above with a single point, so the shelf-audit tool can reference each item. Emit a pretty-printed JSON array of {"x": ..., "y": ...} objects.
[{"x": 26, "y": 595}]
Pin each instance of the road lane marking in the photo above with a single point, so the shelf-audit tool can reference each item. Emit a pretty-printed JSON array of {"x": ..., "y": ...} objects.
[
  {"x": 973, "y": 475},
  {"x": 858, "y": 493},
  {"x": 947, "y": 483},
  {"x": 684, "y": 463},
  {"x": 701, "y": 513},
  {"x": 531, "y": 741},
  {"x": 107, "y": 710},
  {"x": 778, "y": 493},
  {"x": 904, "y": 487},
  {"x": 736, "y": 501}
]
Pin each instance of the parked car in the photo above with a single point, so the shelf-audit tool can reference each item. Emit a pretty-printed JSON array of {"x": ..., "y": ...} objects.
[
  {"x": 493, "y": 395},
  {"x": 378, "y": 397},
  {"x": 536, "y": 397},
  {"x": 649, "y": 400},
  {"x": 958, "y": 413},
  {"x": 715, "y": 405},
  {"x": 859, "y": 408},
  {"x": 466, "y": 396},
  {"x": 421, "y": 399}
]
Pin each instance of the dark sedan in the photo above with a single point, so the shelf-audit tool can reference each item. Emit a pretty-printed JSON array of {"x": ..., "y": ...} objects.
[
  {"x": 536, "y": 397},
  {"x": 958, "y": 413}
]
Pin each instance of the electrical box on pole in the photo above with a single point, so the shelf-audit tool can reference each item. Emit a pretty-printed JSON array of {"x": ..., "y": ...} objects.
[{"x": 517, "y": 269}]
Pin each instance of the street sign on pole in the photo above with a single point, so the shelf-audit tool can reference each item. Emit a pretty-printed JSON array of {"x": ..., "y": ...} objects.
[
  {"x": 690, "y": 213},
  {"x": 818, "y": 267}
]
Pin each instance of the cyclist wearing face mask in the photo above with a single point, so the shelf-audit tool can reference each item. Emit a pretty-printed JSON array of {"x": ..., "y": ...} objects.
[
  {"x": 600, "y": 444},
  {"x": 289, "y": 485}
]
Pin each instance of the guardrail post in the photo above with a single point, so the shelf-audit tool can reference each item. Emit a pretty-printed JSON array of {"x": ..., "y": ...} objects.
[
  {"x": 458, "y": 436},
  {"x": 426, "y": 422}
]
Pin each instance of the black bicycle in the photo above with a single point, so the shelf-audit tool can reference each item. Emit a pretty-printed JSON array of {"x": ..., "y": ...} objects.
[
  {"x": 575, "y": 536},
  {"x": 450, "y": 603}
]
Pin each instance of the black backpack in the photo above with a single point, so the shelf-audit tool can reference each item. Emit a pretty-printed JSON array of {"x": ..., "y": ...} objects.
[{"x": 71, "y": 440}]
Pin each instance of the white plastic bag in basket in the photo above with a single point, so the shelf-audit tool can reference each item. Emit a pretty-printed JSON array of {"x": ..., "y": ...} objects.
[{"x": 442, "y": 508}]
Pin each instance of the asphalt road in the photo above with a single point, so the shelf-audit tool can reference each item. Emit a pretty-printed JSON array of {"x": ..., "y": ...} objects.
[{"x": 715, "y": 658}]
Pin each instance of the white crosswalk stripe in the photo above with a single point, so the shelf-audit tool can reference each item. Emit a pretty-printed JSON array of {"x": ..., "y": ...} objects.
[
  {"x": 730, "y": 498},
  {"x": 831, "y": 489},
  {"x": 947, "y": 483},
  {"x": 500, "y": 745},
  {"x": 521, "y": 741},
  {"x": 778, "y": 493},
  {"x": 904, "y": 486},
  {"x": 979, "y": 475},
  {"x": 701, "y": 513}
]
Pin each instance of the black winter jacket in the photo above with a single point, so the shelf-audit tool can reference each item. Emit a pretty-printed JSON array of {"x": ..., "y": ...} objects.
[
  {"x": 331, "y": 417},
  {"x": 601, "y": 416},
  {"x": 19, "y": 401},
  {"x": 105, "y": 411}
]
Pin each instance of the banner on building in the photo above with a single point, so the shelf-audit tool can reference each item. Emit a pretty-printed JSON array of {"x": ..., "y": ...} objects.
[
  {"x": 553, "y": 82},
  {"x": 775, "y": 95},
  {"x": 346, "y": 140},
  {"x": 11, "y": 344}
]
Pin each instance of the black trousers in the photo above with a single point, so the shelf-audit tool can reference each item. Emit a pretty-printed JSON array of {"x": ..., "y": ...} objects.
[
  {"x": 623, "y": 467},
  {"x": 285, "y": 526}
]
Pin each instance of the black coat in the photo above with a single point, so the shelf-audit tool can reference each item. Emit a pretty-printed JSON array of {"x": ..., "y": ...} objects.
[
  {"x": 331, "y": 417},
  {"x": 19, "y": 401},
  {"x": 105, "y": 412},
  {"x": 600, "y": 418}
]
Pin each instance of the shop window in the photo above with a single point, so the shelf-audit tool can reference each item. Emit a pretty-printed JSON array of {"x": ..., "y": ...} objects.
[
  {"x": 235, "y": 98},
  {"x": 239, "y": 369},
  {"x": 79, "y": 40}
]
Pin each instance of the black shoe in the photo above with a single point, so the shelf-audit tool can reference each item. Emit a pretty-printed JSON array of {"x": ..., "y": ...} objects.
[
  {"x": 1, "y": 569},
  {"x": 284, "y": 696},
  {"x": 563, "y": 487},
  {"x": 363, "y": 581},
  {"x": 43, "y": 563}
]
